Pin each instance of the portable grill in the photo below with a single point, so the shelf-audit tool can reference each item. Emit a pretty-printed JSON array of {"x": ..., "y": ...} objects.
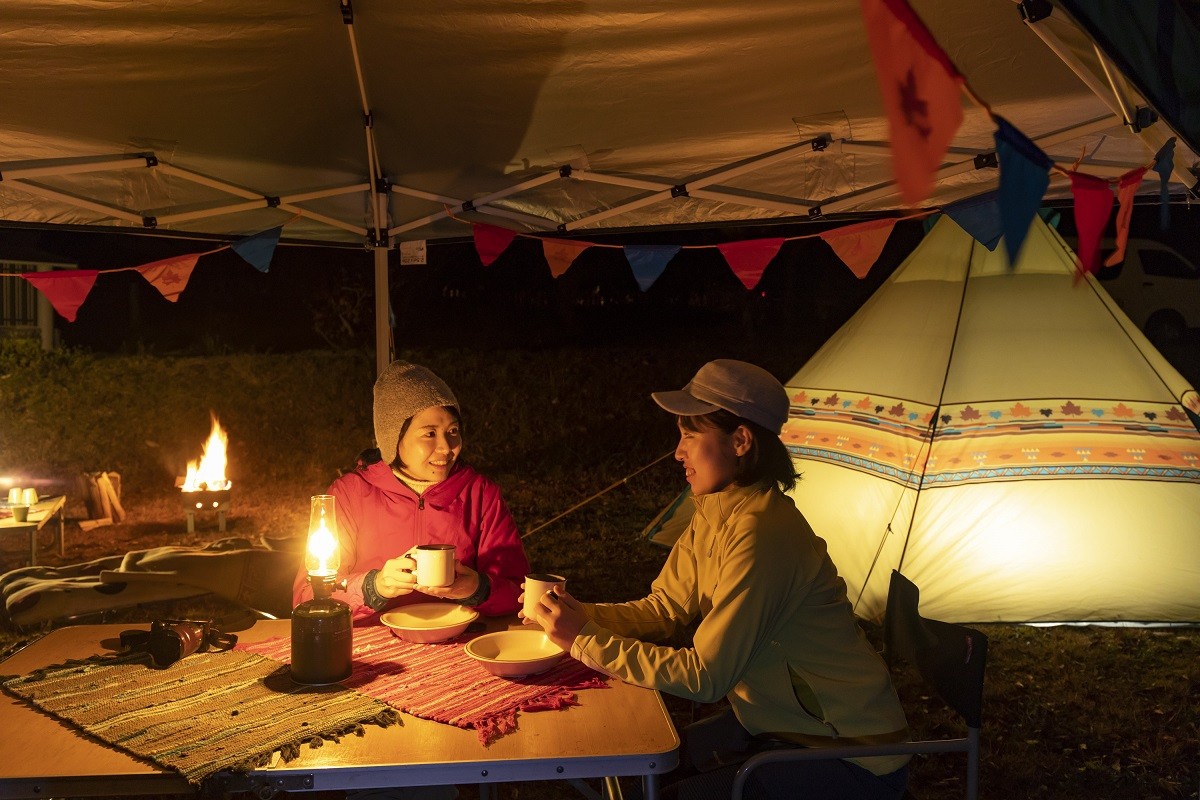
[{"x": 207, "y": 502}]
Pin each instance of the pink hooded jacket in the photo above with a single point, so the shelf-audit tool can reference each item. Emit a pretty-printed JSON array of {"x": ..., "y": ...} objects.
[{"x": 379, "y": 518}]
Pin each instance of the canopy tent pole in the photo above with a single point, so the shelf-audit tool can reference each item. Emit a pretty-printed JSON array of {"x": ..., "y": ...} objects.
[
  {"x": 74, "y": 168},
  {"x": 79, "y": 202},
  {"x": 377, "y": 239}
]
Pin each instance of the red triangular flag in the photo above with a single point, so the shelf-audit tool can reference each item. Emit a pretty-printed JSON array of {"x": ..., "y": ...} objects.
[
  {"x": 66, "y": 289},
  {"x": 170, "y": 275},
  {"x": 561, "y": 254},
  {"x": 1126, "y": 189},
  {"x": 491, "y": 241},
  {"x": 860, "y": 244},
  {"x": 921, "y": 91},
  {"x": 748, "y": 259},
  {"x": 1093, "y": 204}
]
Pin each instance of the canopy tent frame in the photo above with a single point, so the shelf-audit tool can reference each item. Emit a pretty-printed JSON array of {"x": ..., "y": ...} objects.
[
  {"x": 375, "y": 222},
  {"x": 1153, "y": 136}
]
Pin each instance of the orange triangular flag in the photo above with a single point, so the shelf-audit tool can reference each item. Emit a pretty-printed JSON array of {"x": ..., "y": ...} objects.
[
  {"x": 748, "y": 259},
  {"x": 65, "y": 289},
  {"x": 859, "y": 245},
  {"x": 1126, "y": 189},
  {"x": 491, "y": 241},
  {"x": 921, "y": 90},
  {"x": 170, "y": 275},
  {"x": 561, "y": 254}
]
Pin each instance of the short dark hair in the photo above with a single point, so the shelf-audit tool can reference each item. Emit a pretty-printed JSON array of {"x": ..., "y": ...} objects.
[
  {"x": 767, "y": 458},
  {"x": 396, "y": 462}
]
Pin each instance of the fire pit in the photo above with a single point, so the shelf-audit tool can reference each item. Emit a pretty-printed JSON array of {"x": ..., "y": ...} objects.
[{"x": 205, "y": 487}]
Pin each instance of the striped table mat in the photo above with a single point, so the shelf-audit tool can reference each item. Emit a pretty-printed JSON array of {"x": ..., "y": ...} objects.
[
  {"x": 442, "y": 683},
  {"x": 205, "y": 713}
]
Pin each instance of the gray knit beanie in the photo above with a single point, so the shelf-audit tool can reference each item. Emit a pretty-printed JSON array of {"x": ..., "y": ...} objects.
[{"x": 401, "y": 392}]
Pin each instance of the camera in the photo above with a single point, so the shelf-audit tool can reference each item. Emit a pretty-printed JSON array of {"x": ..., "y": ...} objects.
[{"x": 169, "y": 640}]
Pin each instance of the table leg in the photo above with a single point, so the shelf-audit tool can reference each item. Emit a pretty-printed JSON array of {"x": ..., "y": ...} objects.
[
  {"x": 650, "y": 787},
  {"x": 221, "y": 520},
  {"x": 33, "y": 532},
  {"x": 191, "y": 521},
  {"x": 612, "y": 789}
]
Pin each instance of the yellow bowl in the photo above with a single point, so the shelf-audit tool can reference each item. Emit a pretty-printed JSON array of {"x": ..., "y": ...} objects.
[
  {"x": 425, "y": 623},
  {"x": 515, "y": 654}
]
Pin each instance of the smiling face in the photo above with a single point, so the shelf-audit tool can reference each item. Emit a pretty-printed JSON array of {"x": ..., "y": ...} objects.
[
  {"x": 710, "y": 456},
  {"x": 430, "y": 445}
]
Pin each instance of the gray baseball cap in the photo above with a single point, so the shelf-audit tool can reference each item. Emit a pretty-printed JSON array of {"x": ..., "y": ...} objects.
[{"x": 742, "y": 389}]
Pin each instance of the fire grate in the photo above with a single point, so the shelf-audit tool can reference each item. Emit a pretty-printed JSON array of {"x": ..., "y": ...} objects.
[{"x": 206, "y": 502}]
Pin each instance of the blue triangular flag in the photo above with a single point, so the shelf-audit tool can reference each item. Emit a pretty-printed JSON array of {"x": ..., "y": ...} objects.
[
  {"x": 1164, "y": 163},
  {"x": 648, "y": 261},
  {"x": 258, "y": 249},
  {"x": 980, "y": 217},
  {"x": 1024, "y": 178}
]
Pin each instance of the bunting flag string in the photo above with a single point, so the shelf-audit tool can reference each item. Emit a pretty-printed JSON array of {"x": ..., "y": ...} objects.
[
  {"x": 491, "y": 241},
  {"x": 171, "y": 275},
  {"x": 648, "y": 261},
  {"x": 920, "y": 87},
  {"x": 859, "y": 245},
  {"x": 1126, "y": 189},
  {"x": 259, "y": 249},
  {"x": 66, "y": 290},
  {"x": 921, "y": 90},
  {"x": 749, "y": 259},
  {"x": 561, "y": 254}
]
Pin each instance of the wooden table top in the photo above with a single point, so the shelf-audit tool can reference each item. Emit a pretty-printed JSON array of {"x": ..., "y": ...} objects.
[{"x": 621, "y": 730}]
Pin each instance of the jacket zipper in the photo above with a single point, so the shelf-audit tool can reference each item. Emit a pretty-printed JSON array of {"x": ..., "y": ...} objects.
[{"x": 420, "y": 519}]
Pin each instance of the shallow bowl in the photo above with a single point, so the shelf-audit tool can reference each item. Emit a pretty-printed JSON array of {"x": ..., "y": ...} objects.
[
  {"x": 426, "y": 623},
  {"x": 515, "y": 654}
]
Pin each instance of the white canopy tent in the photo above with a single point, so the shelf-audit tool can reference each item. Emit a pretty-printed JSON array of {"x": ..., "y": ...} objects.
[{"x": 379, "y": 122}]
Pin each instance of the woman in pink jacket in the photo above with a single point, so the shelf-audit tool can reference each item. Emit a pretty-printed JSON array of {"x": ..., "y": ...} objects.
[{"x": 419, "y": 492}]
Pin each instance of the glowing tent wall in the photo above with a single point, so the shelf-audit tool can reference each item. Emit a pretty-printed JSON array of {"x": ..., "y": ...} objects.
[{"x": 1062, "y": 479}]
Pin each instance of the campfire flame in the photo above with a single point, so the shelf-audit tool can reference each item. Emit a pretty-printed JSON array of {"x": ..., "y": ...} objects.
[{"x": 209, "y": 473}]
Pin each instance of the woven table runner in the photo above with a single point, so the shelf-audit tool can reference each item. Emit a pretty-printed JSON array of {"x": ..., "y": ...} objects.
[
  {"x": 440, "y": 682},
  {"x": 204, "y": 713}
]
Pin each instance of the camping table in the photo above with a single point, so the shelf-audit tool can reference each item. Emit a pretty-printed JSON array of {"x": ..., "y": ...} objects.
[
  {"x": 621, "y": 730},
  {"x": 39, "y": 514}
]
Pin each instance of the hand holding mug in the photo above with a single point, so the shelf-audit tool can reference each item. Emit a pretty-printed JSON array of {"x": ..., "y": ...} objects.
[
  {"x": 561, "y": 616},
  {"x": 395, "y": 577},
  {"x": 465, "y": 583},
  {"x": 536, "y": 585}
]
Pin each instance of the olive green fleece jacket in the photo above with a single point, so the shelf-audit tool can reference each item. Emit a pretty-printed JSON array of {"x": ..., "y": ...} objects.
[{"x": 776, "y": 635}]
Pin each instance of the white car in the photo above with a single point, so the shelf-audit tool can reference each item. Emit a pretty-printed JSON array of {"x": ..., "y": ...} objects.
[{"x": 1156, "y": 286}]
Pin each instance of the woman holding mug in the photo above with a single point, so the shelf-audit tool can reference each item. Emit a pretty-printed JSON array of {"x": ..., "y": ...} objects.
[
  {"x": 415, "y": 490},
  {"x": 776, "y": 635}
]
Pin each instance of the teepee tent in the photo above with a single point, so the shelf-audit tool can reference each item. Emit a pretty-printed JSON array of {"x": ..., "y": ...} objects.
[{"x": 1005, "y": 437}]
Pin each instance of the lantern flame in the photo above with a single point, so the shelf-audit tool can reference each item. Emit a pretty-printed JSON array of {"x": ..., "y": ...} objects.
[
  {"x": 323, "y": 556},
  {"x": 209, "y": 472}
]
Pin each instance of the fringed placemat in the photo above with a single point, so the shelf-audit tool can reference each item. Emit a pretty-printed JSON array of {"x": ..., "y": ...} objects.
[
  {"x": 203, "y": 714},
  {"x": 442, "y": 683}
]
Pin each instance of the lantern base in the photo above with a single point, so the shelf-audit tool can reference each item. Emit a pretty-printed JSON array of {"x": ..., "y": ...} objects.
[{"x": 322, "y": 640}]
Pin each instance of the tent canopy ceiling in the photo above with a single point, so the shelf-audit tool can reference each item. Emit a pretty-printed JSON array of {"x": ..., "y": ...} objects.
[{"x": 238, "y": 102}]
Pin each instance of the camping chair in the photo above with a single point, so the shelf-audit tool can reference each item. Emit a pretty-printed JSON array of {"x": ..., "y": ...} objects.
[{"x": 951, "y": 660}]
